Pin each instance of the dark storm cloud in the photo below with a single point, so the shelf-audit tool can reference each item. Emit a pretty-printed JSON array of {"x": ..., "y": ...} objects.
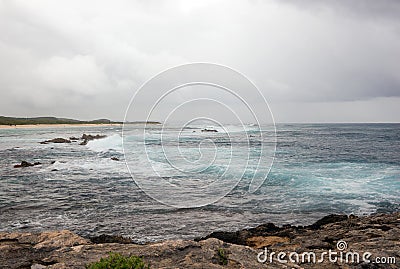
[
  {"x": 86, "y": 59},
  {"x": 371, "y": 9}
]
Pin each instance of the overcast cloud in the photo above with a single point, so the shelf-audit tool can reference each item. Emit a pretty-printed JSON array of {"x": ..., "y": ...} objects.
[{"x": 315, "y": 61}]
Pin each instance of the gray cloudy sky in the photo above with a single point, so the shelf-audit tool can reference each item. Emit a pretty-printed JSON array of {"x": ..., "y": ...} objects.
[{"x": 315, "y": 61}]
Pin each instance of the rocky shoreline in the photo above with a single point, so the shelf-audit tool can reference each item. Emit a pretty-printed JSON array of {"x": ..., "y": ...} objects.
[
  {"x": 83, "y": 140},
  {"x": 378, "y": 234}
]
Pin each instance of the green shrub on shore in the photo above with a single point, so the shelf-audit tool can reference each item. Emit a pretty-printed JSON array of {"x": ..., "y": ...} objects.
[
  {"x": 118, "y": 261},
  {"x": 222, "y": 256}
]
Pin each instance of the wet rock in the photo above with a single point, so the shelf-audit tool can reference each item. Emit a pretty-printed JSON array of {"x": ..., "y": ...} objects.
[
  {"x": 26, "y": 164},
  {"x": 209, "y": 130},
  {"x": 92, "y": 137},
  {"x": 56, "y": 140},
  {"x": 86, "y": 138},
  {"x": 23, "y": 164}
]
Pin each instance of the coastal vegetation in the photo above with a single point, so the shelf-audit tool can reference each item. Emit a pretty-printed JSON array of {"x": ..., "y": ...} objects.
[
  {"x": 50, "y": 120},
  {"x": 222, "y": 256},
  {"x": 118, "y": 261},
  {"x": 53, "y": 120}
]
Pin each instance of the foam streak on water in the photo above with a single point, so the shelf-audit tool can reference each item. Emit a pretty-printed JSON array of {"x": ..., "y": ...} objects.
[{"x": 319, "y": 169}]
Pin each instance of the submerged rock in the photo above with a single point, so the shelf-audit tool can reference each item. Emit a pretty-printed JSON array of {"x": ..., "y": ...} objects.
[
  {"x": 26, "y": 164},
  {"x": 85, "y": 137},
  {"x": 92, "y": 137},
  {"x": 56, "y": 140},
  {"x": 209, "y": 130}
]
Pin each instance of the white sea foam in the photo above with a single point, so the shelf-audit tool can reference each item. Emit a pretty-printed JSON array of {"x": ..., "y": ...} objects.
[
  {"x": 318, "y": 170},
  {"x": 113, "y": 142}
]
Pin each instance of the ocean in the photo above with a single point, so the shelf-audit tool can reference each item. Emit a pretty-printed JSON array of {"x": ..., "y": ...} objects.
[{"x": 317, "y": 169}]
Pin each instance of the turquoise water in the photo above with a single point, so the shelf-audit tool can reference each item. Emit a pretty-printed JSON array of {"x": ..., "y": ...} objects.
[{"x": 318, "y": 169}]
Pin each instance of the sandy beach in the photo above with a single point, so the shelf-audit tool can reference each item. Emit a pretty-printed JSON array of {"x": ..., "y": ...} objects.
[{"x": 31, "y": 126}]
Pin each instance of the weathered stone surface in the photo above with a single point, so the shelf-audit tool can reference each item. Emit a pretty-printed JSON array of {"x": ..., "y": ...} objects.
[
  {"x": 265, "y": 241},
  {"x": 378, "y": 234},
  {"x": 56, "y": 250}
]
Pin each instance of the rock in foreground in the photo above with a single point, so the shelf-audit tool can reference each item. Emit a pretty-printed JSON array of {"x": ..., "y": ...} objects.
[
  {"x": 378, "y": 234},
  {"x": 63, "y": 249}
]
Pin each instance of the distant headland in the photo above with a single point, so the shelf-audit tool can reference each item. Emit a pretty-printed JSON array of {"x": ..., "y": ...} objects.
[{"x": 14, "y": 121}]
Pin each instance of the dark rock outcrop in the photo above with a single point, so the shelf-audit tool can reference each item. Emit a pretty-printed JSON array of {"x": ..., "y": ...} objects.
[
  {"x": 104, "y": 238},
  {"x": 378, "y": 234},
  {"x": 241, "y": 237},
  {"x": 86, "y": 138},
  {"x": 209, "y": 130},
  {"x": 56, "y": 140},
  {"x": 329, "y": 219},
  {"x": 26, "y": 164}
]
